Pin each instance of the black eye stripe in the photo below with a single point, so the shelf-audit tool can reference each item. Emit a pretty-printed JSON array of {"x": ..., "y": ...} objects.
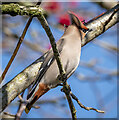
[{"x": 84, "y": 30}]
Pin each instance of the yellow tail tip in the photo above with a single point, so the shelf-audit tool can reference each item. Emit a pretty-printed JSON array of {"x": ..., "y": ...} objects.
[{"x": 26, "y": 110}]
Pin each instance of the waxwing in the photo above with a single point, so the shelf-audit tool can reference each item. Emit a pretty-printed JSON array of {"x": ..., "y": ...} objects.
[{"x": 69, "y": 47}]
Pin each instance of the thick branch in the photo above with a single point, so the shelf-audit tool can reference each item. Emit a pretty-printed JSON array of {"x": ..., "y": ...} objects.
[
  {"x": 20, "y": 82},
  {"x": 101, "y": 24},
  {"x": 16, "y": 9}
]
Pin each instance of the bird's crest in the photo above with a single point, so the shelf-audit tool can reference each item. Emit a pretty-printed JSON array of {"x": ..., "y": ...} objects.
[{"x": 75, "y": 20}]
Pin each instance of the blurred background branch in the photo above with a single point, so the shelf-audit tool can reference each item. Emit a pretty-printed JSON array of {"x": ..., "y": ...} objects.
[{"x": 106, "y": 4}]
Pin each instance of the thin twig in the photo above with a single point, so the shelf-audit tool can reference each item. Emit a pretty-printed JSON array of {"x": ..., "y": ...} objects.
[
  {"x": 20, "y": 97},
  {"x": 16, "y": 50},
  {"x": 7, "y": 115},
  {"x": 21, "y": 108},
  {"x": 53, "y": 44},
  {"x": 66, "y": 89},
  {"x": 26, "y": 101},
  {"x": 82, "y": 106},
  {"x": 60, "y": 66}
]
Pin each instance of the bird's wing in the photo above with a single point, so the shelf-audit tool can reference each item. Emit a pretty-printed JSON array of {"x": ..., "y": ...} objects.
[{"x": 48, "y": 60}]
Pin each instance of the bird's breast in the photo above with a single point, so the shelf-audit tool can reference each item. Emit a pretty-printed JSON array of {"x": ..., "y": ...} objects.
[{"x": 70, "y": 57}]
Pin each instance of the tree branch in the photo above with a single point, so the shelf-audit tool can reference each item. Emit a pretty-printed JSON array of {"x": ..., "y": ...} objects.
[
  {"x": 59, "y": 63},
  {"x": 101, "y": 24},
  {"x": 82, "y": 106},
  {"x": 16, "y": 9},
  {"x": 6, "y": 115},
  {"x": 16, "y": 50},
  {"x": 21, "y": 108},
  {"x": 20, "y": 82}
]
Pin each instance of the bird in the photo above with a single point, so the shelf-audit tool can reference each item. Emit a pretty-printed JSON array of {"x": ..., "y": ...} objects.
[{"x": 69, "y": 48}]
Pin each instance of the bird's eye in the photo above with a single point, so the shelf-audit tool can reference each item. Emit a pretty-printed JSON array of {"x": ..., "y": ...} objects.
[{"x": 84, "y": 30}]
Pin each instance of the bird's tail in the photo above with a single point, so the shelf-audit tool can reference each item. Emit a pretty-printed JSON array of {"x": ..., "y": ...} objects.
[
  {"x": 29, "y": 105},
  {"x": 35, "y": 94}
]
